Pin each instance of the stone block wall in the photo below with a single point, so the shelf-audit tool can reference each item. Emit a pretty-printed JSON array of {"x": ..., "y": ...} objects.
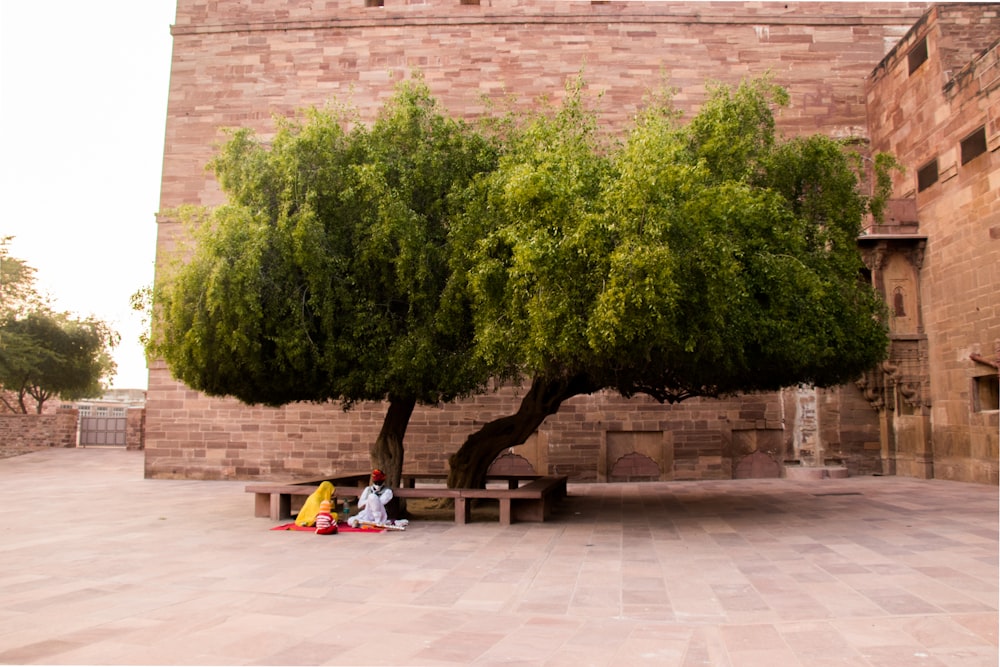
[
  {"x": 135, "y": 425},
  {"x": 60, "y": 428},
  {"x": 22, "y": 433},
  {"x": 855, "y": 439},
  {"x": 922, "y": 117},
  {"x": 237, "y": 63},
  {"x": 211, "y": 438}
]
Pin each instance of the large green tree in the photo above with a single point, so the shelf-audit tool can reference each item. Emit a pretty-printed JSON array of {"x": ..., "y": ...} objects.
[
  {"x": 695, "y": 259},
  {"x": 412, "y": 260},
  {"x": 327, "y": 275}
]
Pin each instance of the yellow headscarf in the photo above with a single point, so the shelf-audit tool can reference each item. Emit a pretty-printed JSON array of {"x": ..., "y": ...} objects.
[{"x": 310, "y": 508}]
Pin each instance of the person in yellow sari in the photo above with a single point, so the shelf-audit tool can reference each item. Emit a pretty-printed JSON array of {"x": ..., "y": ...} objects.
[{"x": 310, "y": 508}]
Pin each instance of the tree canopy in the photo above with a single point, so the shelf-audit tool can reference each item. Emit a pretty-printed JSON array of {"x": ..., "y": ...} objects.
[
  {"x": 44, "y": 353},
  {"x": 697, "y": 259},
  {"x": 413, "y": 260},
  {"x": 17, "y": 284},
  {"x": 326, "y": 274}
]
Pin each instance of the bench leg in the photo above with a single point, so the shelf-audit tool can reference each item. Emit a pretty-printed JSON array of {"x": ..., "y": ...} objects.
[
  {"x": 262, "y": 504},
  {"x": 462, "y": 514},
  {"x": 281, "y": 506},
  {"x": 528, "y": 510},
  {"x": 504, "y": 511}
]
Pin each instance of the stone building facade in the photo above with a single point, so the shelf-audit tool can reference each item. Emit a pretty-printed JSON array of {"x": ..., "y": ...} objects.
[
  {"x": 934, "y": 103},
  {"x": 238, "y": 63}
]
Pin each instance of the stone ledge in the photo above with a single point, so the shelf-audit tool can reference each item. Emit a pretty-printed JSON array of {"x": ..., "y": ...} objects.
[{"x": 815, "y": 472}]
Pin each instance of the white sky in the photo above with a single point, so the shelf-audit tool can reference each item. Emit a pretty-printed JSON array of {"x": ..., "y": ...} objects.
[{"x": 83, "y": 102}]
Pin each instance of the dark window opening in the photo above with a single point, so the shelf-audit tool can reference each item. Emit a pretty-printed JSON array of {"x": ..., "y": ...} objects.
[
  {"x": 917, "y": 55},
  {"x": 927, "y": 175},
  {"x": 469, "y": 2},
  {"x": 986, "y": 393},
  {"x": 898, "y": 303},
  {"x": 865, "y": 276},
  {"x": 974, "y": 145},
  {"x": 374, "y": 3}
]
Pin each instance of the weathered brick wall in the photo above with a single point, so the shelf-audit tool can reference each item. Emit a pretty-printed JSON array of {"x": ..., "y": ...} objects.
[
  {"x": 16, "y": 431},
  {"x": 919, "y": 117},
  {"x": 20, "y": 432},
  {"x": 209, "y": 438},
  {"x": 851, "y": 431},
  {"x": 237, "y": 63},
  {"x": 135, "y": 425}
]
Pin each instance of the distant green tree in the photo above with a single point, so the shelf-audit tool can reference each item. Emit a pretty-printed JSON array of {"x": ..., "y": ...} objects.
[
  {"x": 45, "y": 354},
  {"x": 699, "y": 259},
  {"x": 17, "y": 284},
  {"x": 326, "y": 275}
]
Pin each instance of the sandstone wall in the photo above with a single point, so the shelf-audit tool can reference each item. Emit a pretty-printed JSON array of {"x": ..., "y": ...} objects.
[
  {"x": 21, "y": 433},
  {"x": 237, "y": 63},
  {"x": 189, "y": 435},
  {"x": 135, "y": 428},
  {"x": 923, "y": 116}
]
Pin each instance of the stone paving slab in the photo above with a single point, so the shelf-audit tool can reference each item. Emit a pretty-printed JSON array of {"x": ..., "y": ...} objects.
[{"x": 103, "y": 567}]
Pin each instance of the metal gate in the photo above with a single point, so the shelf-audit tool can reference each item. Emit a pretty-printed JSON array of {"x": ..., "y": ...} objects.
[{"x": 102, "y": 431}]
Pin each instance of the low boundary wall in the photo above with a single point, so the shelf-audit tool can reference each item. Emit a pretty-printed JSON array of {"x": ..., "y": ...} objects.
[{"x": 20, "y": 432}]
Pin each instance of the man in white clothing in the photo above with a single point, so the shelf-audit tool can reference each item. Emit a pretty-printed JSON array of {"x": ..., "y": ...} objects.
[{"x": 371, "y": 504}]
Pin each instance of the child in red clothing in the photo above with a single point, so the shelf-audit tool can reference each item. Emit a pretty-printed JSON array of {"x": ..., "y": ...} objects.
[{"x": 326, "y": 523}]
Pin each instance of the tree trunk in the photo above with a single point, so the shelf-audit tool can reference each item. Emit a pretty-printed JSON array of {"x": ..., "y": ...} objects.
[
  {"x": 469, "y": 464},
  {"x": 6, "y": 403},
  {"x": 387, "y": 451}
]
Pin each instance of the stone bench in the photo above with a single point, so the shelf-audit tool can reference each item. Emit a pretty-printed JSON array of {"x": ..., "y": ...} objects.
[
  {"x": 274, "y": 499},
  {"x": 530, "y": 502},
  {"x": 512, "y": 480}
]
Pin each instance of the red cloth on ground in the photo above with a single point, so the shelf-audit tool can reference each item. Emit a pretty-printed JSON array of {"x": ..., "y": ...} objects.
[{"x": 341, "y": 528}]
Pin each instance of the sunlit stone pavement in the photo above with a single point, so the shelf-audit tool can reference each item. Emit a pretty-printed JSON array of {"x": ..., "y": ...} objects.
[{"x": 101, "y": 566}]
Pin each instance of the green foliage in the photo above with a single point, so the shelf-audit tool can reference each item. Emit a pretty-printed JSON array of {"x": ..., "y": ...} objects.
[
  {"x": 531, "y": 255},
  {"x": 696, "y": 259},
  {"x": 416, "y": 258},
  {"x": 327, "y": 273},
  {"x": 735, "y": 128},
  {"x": 45, "y": 354},
  {"x": 883, "y": 166},
  {"x": 141, "y": 301},
  {"x": 17, "y": 284}
]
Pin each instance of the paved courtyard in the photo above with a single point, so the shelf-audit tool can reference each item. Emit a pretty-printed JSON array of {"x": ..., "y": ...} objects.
[{"x": 101, "y": 567}]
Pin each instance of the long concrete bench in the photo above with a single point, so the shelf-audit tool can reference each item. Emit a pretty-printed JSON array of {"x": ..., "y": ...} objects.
[
  {"x": 274, "y": 500},
  {"x": 512, "y": 480},
  {"x": 435, "y": 492},
  {"x": 530, "y": 502}
]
